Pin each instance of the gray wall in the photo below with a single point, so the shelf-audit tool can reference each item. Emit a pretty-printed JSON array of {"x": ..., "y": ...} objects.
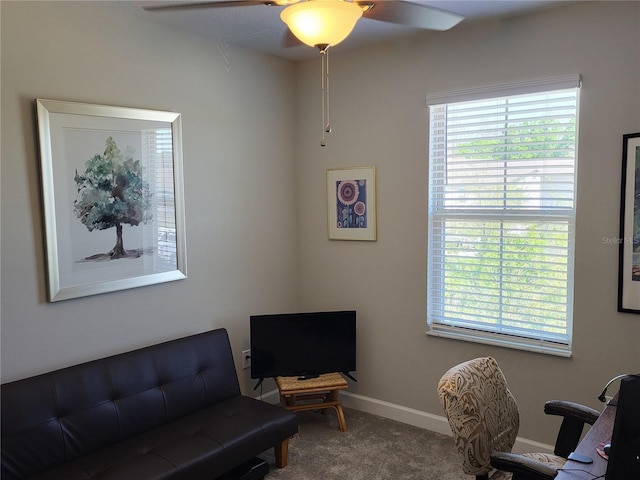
[
  {"x": 379, "y": 118},
  {"x": 236, "y": 174},
  {"x": 243, "y": 259}
]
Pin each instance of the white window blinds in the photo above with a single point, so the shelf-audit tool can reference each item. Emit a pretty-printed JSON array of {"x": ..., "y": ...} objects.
[
  {"x": 502, "y": 172},
  {"x": 157, "y": 156}
]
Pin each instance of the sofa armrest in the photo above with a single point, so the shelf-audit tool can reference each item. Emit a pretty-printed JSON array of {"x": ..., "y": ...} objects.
[
  {"x": 523, "y": 468},
  {"x": 575, "y": 416}
]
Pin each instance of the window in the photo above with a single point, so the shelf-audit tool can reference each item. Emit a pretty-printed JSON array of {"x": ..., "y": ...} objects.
[
  {"x": 502, "y": 170},
  {"x": 157, "y": 156}
]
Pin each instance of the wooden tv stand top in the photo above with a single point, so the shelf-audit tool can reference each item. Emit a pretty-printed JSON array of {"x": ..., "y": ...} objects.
[
  {"x": 318, "y": 393},
  {"x": 290, "y": 385}
]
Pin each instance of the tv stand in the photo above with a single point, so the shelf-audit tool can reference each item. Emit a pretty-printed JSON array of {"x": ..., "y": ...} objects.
[
  {"x": 258, "y": 383},
  {"x": 350, "y": 376},
  {"x": 320, "y": 393}
]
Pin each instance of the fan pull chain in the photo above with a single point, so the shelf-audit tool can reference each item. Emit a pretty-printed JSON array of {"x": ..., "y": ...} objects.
[{"x": 326, "y": 126}]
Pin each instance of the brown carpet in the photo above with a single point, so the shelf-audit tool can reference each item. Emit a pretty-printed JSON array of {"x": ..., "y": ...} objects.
[{"x": 373, "y": 448}]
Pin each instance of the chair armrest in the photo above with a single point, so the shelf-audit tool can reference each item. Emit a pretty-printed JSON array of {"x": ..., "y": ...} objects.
[
  {"x": 564, "y": 408},
  {"x": 575, "y": 416},
  {"x": 523, "y": 468}
]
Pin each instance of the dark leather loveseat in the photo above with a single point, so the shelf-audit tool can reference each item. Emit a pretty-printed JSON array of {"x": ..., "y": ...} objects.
[{"x": 168, "y": 411}]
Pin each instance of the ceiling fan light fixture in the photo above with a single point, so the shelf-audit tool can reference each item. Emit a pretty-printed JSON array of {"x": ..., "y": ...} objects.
[{"x": 321, "y": 23}]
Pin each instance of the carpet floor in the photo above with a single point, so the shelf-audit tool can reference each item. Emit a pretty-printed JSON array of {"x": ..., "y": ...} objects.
[{"x": 373, "y": 448}]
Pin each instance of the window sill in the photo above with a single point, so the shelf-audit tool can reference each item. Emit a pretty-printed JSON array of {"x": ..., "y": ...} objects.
[{"x": 500, "y": 340}]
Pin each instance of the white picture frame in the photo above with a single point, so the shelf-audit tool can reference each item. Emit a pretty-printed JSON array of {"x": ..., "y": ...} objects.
[{"x": 112, "y": 197}]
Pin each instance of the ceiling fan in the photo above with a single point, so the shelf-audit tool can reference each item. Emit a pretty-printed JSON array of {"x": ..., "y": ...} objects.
[{"x": 325, "y": 23}]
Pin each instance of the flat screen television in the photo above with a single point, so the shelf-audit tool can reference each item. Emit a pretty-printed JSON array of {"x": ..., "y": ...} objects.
[
  {"x": 624, "y": 455},
  {"x": 303, "y": 344}
]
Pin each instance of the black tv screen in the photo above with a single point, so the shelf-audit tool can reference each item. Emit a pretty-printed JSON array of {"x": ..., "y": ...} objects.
[{"x": 303, "y": 344}]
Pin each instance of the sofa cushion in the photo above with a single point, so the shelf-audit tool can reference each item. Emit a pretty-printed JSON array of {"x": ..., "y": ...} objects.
[{"x": 205, "y": 444}]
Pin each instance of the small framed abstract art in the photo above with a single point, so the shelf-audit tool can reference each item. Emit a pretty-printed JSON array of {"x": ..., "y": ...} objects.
[
  {"x": 112, "y": 197},
  {"x": 629, "y": 241},
  {"x": 351, "y": 197}
]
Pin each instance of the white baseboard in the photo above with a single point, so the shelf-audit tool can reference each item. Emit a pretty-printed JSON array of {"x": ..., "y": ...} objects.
[
  {"x": 411, "y": 416},
  {"x": 428, "y": 421},
  {"x": 271, "y": 396}
]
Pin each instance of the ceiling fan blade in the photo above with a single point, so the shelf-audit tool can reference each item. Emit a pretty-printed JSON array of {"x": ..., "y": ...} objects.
[
  {"x": 412, "y": 15},
  {"x": 194, "y": 5}
]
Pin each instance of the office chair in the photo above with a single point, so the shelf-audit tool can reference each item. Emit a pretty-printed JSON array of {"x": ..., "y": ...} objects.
[{"x": 484, "y": 418}]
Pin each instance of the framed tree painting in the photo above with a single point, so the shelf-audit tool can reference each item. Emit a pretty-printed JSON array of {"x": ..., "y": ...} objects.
[
  {"x": 112, "y": 195},
  {"x": 629, "y": 241},
  {"x": 351, "y": 197}
]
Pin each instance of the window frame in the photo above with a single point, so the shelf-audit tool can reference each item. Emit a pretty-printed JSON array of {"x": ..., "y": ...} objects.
[{"x": 455, "y": 329}]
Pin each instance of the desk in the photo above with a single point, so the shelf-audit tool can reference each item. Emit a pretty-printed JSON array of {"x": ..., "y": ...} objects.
[{"x": 598, "y": 433}]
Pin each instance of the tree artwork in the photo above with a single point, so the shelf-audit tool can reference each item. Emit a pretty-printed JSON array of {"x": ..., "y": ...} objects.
[{"x": 110, "y": 193}]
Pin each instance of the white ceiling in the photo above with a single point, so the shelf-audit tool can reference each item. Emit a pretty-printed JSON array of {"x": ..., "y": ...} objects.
[{"x": 259, "y": 27}]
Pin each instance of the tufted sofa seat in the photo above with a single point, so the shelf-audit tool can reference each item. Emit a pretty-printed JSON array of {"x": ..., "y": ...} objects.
[{"x": 168, "y": 411}]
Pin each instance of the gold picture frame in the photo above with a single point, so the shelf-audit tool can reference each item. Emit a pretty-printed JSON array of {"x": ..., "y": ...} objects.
[{"x": 351, "y": 203}]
